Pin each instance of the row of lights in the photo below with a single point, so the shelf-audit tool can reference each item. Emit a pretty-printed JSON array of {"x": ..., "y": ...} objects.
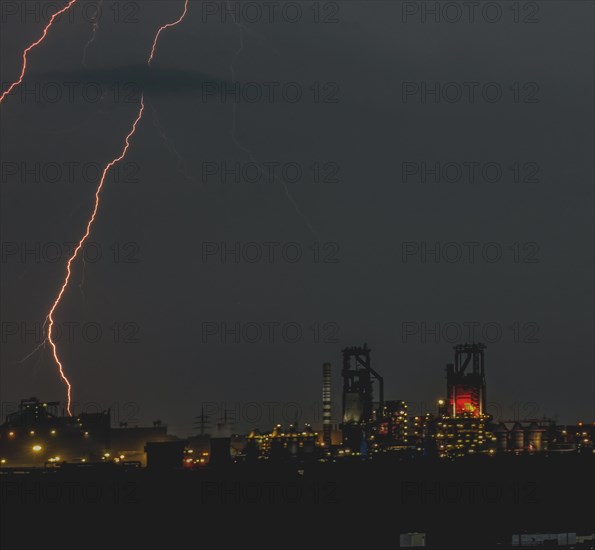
[
  {"x": 116, "y": 459},
  {"x": 32, "y": 432}
]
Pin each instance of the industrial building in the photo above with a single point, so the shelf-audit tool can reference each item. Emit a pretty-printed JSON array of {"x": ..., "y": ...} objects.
[
  {"x": 463, "y": 434},
  {"x": 39, "y": 434},
  {"x": 466, "y": 383},
  {"x": 531, "y": 435},
  {"x": 392, "y": 426},
  {"x": 283, "y": 443},
  {"x": 360, "y": 412},
  {"x": 372, "y": 425},
  {"x": 462, "y": 425}
]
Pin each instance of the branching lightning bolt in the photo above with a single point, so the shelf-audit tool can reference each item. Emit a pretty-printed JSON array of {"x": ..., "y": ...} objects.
[
  {"x": 33, "y": 46},
  {"x": 32, "y": 353},
  {"x": 39, "y": 346},
  {"x": 50, "y": 317}
]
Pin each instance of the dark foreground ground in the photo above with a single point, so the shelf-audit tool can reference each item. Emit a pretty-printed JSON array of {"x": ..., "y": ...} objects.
[{"x": 472, "y": 503}]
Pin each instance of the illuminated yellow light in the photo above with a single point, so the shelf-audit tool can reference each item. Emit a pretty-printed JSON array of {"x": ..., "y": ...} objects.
[
  {"x": 10, "y": 434},
  {"x": 121, "y": 456},
  {"x": 31, "y": 432},
  {"x": 53, "y": 432},
  {"x": 106, "y": 455},
  {"x": 3, "y": 461},
  {"x": 37, "y": 448}
]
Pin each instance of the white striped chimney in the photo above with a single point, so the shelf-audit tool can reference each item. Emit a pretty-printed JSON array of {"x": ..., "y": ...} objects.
[{"x": 326, "y": 404}]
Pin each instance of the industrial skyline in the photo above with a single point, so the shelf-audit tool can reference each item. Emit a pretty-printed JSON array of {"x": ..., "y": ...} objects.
[
  {"x": 370, "y": 425},
  {"x": 297, "y": 274}
]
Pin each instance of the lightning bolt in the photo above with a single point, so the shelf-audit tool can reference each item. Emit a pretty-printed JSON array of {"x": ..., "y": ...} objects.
[
  {"x": 33, "y": 46},
  {"x": 50, "y": 316},
  {"x": 108, "y": 167},
  {"x": 161, "y": 29}
]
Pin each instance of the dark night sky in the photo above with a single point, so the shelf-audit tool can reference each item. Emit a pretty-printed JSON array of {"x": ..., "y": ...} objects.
[{"x": 370, "y": 292}]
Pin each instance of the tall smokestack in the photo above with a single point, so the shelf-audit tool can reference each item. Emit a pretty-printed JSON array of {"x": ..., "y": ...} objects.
[{"x": 326, "y": 404}]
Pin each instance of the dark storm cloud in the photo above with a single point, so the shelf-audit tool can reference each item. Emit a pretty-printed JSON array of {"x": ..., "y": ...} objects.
[
  {"x": 136, "y": 78},
  {"x": 402, "y": 175}
]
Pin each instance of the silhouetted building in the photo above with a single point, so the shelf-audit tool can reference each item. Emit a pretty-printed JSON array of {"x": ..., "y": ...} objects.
[
  {"x": 37, "y": 434},
  {"x": 392, "y": 427},
  {"x": 283, "y": 444},
  {"x": 165, "y": 455},
  {"x": 464, "y": 434},
  {"x": 358, "y": 397}
]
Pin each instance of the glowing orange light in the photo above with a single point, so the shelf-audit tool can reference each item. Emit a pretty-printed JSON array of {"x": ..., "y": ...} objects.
[
  {"x": 34, "y": 45},
  {"x": 166, "y": 27}
]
